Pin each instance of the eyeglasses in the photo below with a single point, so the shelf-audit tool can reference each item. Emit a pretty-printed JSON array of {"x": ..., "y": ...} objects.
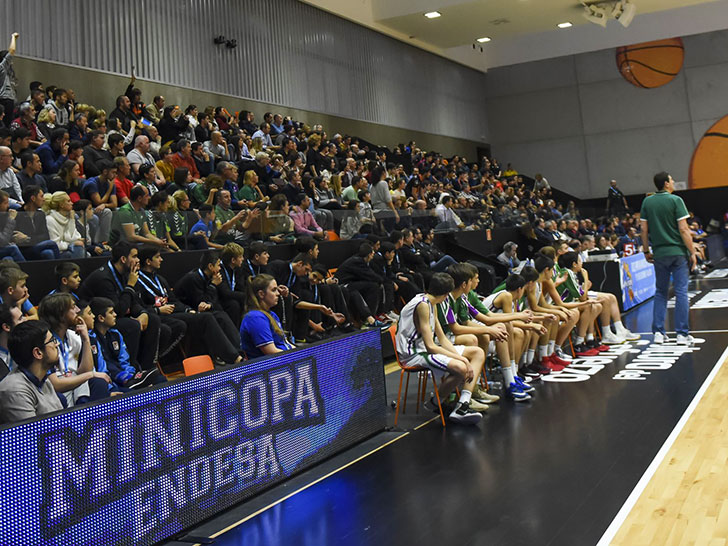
[{"x": 54, "y": 341}]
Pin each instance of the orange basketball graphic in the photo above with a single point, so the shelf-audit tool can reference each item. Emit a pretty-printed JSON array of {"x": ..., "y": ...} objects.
[
  {"x": 709, "y": 166},
  {"x": 651, "y": 64}
]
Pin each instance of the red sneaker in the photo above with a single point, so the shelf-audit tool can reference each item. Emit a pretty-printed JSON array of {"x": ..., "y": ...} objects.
[
  {"x": 552, "y": 365},
  {"x": 556, "y": 360},
  {"x": 583, "y": 350}
]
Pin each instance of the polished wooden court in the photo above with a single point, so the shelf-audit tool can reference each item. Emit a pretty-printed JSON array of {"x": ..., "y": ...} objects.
[{"x": 626, "y": 449}]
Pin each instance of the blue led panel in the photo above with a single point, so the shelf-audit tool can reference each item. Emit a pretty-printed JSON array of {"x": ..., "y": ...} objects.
[{"x": 139, "y": 469}]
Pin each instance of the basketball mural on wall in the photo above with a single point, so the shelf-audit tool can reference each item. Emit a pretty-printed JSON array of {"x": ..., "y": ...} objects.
[
  {"x": 651, "y": 64},
  {"x": 709, "y": 165}
]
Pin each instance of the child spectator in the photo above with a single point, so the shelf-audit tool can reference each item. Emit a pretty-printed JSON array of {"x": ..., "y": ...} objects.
[
  {"x": 13, "y": 290},
  {"x": 68, "y": 279}
]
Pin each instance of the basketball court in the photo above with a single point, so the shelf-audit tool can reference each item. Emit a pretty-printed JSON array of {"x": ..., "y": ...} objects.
[{"x": 627, "y": 448}]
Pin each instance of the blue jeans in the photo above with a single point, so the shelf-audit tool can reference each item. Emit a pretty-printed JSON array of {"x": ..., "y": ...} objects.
[
  {"x": 677, "y": 266},
  {"x": 11, "y": 252},
  {"x": 45, "y": 250},
  {"x": 74, "y": 252},
  {"x": 442, "y": 264}
]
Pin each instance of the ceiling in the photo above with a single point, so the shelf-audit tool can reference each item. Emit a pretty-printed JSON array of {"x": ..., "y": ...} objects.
[
  {"x": 463, "y": 22},
  {"x": 522, "y": 30}
]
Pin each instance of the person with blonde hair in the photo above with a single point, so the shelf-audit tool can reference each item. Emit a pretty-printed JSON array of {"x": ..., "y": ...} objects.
[
  {"x": 261, "y": 332},
  {"x": 61, "y": 224}
]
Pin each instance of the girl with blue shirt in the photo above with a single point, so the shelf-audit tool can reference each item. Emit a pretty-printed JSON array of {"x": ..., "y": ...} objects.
[{"x": 261, "y": 332}]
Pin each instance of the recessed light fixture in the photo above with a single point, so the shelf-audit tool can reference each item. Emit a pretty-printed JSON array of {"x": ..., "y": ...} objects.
[
  {"x": 566, "y": 24},
  {"x": 433, "y": 14},
  {"x": 483, "y": 39}
]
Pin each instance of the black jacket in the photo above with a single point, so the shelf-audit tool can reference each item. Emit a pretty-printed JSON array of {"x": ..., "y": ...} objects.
[
  {"x": 155, "y": 291},
  {"x": 106, "y": 282},
  {"x": 34, "y": 227},
  {"x": 194, "y": 288},
  {"x": 356, "y": 269},
  {"x": 231, "y": 277}
]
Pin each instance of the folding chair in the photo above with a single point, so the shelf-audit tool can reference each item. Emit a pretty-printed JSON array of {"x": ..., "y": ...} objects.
[
  {"x": 422, "y": 374},
  {"x": 197, "y": 364}
]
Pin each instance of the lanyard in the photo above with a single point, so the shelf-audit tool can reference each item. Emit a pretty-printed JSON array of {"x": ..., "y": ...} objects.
[
  {"x": 116, "y": 276},
  {"x": 5, "y": 355},
  {"x": 155, "y": 282},
  {"x": 291, "y": 276},
  {"x": 64, "y": 352},
  {"x": 230, "y": 279},
  {"x": 315, "y": 293},
  {"x": 250, "y": 266}
]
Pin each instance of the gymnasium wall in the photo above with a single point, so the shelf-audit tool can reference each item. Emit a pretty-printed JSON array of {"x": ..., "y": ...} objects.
[
  {"x": 576, "y": 119},
  {"x": 290, "y": 56}
]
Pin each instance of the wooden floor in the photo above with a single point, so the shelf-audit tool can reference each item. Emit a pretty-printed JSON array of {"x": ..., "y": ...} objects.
[{"x": 686, "y": 501}]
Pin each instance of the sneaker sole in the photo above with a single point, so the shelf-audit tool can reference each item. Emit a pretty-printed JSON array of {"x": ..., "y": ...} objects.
[
  {"x": 468, "y": 419},
  {"x": 521, "y": 398}
]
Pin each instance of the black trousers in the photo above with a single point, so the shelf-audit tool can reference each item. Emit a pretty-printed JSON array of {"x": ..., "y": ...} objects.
[
  {"x": 369, "y": 291},
  {"x": 234, "y": 309},
  {"x": 143, "y": 346},
  {"x": 9, "y": 105},
  {"x": 211, "y": 332}
]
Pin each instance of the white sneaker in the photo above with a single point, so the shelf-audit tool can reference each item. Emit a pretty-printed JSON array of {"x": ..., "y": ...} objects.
[
  {"x": 629, "y": 336},
  {"x": 394, "y": 317},
  {"x": 611, "y": 339},
  {"x": 685, "y": 340},
  {"x": 562, "y": 355},
  {"x": 660, "y": 338}
]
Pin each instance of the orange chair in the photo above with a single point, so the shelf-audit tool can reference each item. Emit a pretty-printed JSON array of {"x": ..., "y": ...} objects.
[
  {"x": 197, "y": 364},
  {"x": 422, "y": 374}
]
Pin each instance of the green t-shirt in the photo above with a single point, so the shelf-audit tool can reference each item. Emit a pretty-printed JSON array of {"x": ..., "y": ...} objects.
[
  {"x": 158, "y": 225},
  {"x": 349, "y": 194},
  {"x": 570, "y": 290},
  {"x": 223, "y": 216},
  {"x": 248, "y": 193},
  {"x": 474, "y": 300},
  {"x": 126, "y": 215},
  {"x": 662, "y": 211},
  {"x": 445, "y": 313}
]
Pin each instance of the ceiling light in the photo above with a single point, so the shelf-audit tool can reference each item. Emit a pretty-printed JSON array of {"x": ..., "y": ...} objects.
[
  {"x": 433, "y": 14},
  {"x": 565, "y": 24},
  {"x": 483, "y": 39},
  {"x": 628, "y": 12},
  {"x": 596, "y": 15}
]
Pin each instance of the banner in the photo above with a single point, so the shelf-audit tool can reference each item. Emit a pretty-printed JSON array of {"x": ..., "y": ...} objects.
[
  {"x": 637, "y": 280},
  {"x": 141, "y": 468}
]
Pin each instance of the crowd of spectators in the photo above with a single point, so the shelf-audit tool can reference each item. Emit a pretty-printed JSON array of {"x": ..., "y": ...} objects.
[{"x": 148, "y": 179}]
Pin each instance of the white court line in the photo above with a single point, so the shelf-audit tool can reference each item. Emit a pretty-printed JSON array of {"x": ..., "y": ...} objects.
[
  {"x": 691, "y": 331},
  {"x": 621, "y": 516}
]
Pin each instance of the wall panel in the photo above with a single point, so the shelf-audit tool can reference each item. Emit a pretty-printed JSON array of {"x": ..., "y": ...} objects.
[{"x": 288, "y": 53}]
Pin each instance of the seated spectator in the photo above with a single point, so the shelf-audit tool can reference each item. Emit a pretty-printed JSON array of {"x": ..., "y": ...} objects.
[
  {"x": 13, "y": 289},
  {"x": 303, "y": 221},
  {"x": 26, "y": 392},
  {"x": 111, "y": 355},
  {"x": 183, "y": 158},
  {"x": 509, "y": 257},
  {"x": 207, "y": 335},
  {"x": 8, "y": 247},
  {"x": 182, "y": 180},
  {"x": 75, "y": 375},
  {"x": 122, "y": 183},
  {"x": 33, "y": 237},
  {"x": 232, "y": 226},
  {"x": 94, "y": 152},
  {"x": 101, "y": 191},
  {"x": 68, "y": 180},
  {"x": 19, "y": 144},
  {"x": 140, "y": 155},
  {"x": 130, "y": 221},
  {"x": 154, "y": 111},
  {"x": 205, "y": 192},
  {"x": 216, "y": 147},
  {"x": 87, "y": 224},
  {"x": 179, "y": 218},
  {"x": 279, "y": 225},
  {"x": 232, "y": 288},
  {"x": 205, "y": 228},
  {"x": 8, "y": 181},
  {"x": 53, "y": 153},
  {"x": 79, "y": 129},
  {"x": 30, "y": 172},
  {"x": 172, "y": 124},
  {"x": 61, "y": 106},
  {"x": 351, "y": 223},
  {"x": 26, "y": 120},
  {"x": 257, "y": 261},
  {"x": 10, "y": 317},
  {"x": 261, "y": 332},
  {"x": 68, "y": 279},
  {"x": 115, "y": 144},
  {"x": 61, "y": 224},
  {"x": 157, "y": 218},
  {"x": 46, "y": 121},
  {"x": 446, "y": 215},
  {"x": 351, "y": 192},
  {"x": 150, "y": 179},
  {"x": 250, "y": 193}
]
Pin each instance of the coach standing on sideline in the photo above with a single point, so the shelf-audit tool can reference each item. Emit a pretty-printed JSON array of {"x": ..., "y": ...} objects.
[{"x": 666, "y": 217}]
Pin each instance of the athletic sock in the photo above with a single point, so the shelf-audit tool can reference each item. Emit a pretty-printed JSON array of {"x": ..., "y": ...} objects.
[
  {"x": 531, "y": 355},
  {"x": 514, "y": 368},
  {"x": 618, "y": 326},
  {"x": 524, "y": 359},
  {"x": 579, "y": 340},
  {"x": 465, "y": 396},
  {"x": 543, "y": 351},
  {"x": 552, "y": 344},
  {"x": 508, "y": 375},
  {"x": 590, "y": 337}
]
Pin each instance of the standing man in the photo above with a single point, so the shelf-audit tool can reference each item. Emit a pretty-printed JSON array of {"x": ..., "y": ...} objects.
[
  {"x": 616, "y": 201},
  {"x": 664, "y": 224}
]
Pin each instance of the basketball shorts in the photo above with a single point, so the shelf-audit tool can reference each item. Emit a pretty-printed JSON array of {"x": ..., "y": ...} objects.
[{"x": 436, "y": 363}]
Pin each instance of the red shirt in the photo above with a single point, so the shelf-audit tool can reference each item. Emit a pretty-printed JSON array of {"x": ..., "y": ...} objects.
[
  {"x": 189, "y": 162},
  {"x": 123, "y": 187}
]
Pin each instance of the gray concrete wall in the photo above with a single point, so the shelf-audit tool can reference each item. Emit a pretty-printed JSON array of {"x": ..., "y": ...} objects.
[{"x": 576, "y": 119}]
